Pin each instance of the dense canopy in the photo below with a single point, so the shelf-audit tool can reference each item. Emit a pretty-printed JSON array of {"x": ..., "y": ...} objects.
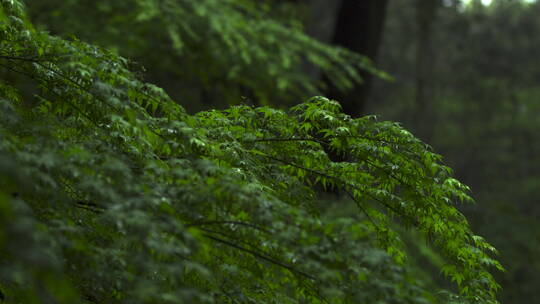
[{"x": 111, "y": 193}]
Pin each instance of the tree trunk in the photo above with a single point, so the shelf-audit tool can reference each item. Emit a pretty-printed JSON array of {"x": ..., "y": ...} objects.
[
  {"x": 359, "y": 28},
  {"x": 425, "y": 60}
]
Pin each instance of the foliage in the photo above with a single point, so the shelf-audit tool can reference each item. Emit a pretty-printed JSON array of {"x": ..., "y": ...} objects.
[
  {"x": 208, "y": 51},
  {"x": 111, "y": 193}
]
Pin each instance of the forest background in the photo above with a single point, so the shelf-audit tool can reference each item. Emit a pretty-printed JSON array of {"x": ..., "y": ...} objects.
[{"x": 463, "y": 77}]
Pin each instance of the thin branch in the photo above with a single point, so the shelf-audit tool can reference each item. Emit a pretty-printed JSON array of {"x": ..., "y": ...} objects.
[
  {"x": 389, "y": 174},
  {"x": 277, "y": 139},
  {"x": 261, "y": 256},
  {"x": 32, "y": 76},
  {"x": 345, "y": 183},
  {"x": 364, "y": 211},
  {"x": 240, "y": 223},
  {"x": 329, "y": 137},
  {"x": 89, "y": 206},
  {"x": 27, "y": 59}
]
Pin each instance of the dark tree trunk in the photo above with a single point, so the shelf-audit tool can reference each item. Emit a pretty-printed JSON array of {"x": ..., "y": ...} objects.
[
  {"x": 359, "y": 28},
  {"x": 425, "y": 60}
]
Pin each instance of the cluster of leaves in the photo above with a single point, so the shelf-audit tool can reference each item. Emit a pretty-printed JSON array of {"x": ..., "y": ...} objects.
[
  {"x": 111, "y": 193},
  {"x": 223, "y": 49}
]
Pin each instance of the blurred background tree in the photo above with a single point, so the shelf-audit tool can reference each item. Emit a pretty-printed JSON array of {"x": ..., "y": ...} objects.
[
  {"x": 251, "y": 51},
  {"x": 466, "y": 80}
]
